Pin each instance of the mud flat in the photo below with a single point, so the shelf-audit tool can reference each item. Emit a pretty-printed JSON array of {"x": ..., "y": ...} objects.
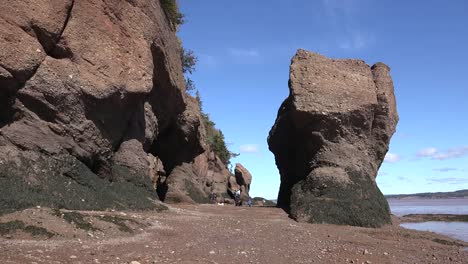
[{"x": 416, "y": 218}]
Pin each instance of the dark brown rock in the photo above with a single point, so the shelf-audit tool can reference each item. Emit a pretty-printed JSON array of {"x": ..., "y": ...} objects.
[{"x": 330, "y": 138}]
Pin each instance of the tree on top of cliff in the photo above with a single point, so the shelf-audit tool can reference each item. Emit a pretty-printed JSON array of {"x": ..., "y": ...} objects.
[
  {"x": 215, "y": 137},
  {"x": 189, "y": 60},
  {"x": 171, "y": 9}
]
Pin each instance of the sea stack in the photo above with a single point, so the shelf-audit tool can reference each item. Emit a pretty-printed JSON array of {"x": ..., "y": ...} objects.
[
  {"x": 243, "y": 179},
  {"x": 330, "y": 138}
]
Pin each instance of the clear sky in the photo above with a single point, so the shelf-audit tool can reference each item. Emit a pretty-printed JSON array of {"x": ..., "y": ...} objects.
[{"x": 245, "y": 47}]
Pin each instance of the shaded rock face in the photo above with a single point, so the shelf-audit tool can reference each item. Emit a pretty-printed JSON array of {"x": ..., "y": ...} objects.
[
  {"x": 330, "y": 138},
  {"x": 198, "y": 176},
  {"x": 194, "y": 182},
  {"x": 92, "y": 98}
]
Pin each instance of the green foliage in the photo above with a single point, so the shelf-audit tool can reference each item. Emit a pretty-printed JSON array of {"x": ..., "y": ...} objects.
[
  {"x": 189, "y": 60},
  {"x": 198, "y": 98},
  {"x": 218, "y": 145},
  {"x": 215, "y": 137},
  {"x": 189, "y": 85},
  {"x": 171, "y": 9}
]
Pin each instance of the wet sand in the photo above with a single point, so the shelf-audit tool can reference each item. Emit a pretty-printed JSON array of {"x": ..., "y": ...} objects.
[{"x": 416, "y": 218}]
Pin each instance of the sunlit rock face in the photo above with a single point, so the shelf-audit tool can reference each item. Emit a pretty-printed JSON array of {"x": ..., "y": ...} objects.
[
  {"x": 93, "y": 108},
  {"x": 330, "y": 138}
]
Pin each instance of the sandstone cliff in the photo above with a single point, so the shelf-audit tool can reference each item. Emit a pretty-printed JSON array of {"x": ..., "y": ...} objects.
[
  {"x": 330, "y": 138},
  {"x": 93, "y": 108}
]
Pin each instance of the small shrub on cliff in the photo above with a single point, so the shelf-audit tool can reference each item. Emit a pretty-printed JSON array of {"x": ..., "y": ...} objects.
[
  {"x": 189, "y": 60},
  {"x": 171, "y": 9},
  {"x": 198, "y": 98},
  {"x": 215, "y": 139},
  {"x": 189, "y": 85},
  {"x": 218, "y": 144}
]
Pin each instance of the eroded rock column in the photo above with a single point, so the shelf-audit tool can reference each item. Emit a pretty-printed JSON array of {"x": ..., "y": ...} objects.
[{"x": 330, "y": 138}]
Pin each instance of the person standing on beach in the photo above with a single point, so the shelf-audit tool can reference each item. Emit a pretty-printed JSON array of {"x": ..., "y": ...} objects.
[{"x": 237, "y": 195}]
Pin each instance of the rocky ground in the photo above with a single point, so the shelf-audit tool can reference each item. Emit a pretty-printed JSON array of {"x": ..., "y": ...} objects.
[{"x": 209, "y": 234}]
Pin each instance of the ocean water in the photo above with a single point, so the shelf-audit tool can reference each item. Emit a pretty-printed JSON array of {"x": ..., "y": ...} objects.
[
  {"x": 402, "y": 207},
  {"x": 458, "y": 230}
]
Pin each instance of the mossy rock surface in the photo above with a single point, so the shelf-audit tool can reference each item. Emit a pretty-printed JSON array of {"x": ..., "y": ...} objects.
[
  {"x": 62, "y": 181},
  {"x": 121, "y": 223},
  {"x": 13, "y": 226},
  {"x": 196, "y": 194},
  {"x": 360, "y": 204},
  {"x": 79, "y": 220}
]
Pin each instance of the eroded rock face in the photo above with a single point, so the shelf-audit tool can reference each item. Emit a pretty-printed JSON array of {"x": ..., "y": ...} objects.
[
  {"x": 330, "y": 138},
  {"x": 92, "y": 88}
]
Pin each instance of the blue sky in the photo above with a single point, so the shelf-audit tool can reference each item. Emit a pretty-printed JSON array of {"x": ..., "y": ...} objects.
[{"x": 245, "y": 47}]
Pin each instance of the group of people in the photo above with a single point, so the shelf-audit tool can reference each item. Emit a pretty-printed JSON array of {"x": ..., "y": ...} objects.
[{"x": 237, "y": 198}]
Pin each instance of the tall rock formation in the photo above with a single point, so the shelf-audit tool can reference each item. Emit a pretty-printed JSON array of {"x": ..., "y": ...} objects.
[
  {"x": 330, "y": 138},
  {"x": 244, "y": 179},
  {"x": 241, "y": 180},
  {"x": 92, "y": 100}
]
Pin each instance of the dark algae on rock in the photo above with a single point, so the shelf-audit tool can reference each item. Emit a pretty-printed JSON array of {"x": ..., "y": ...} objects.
[
  {"x": 330, "y": 138},
  {"x": 16, "y": 225}
]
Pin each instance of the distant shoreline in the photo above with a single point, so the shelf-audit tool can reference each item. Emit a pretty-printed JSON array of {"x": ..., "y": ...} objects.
[
  {"x": 461, "y": 194},
  {"x": 424, "y": 198}
]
